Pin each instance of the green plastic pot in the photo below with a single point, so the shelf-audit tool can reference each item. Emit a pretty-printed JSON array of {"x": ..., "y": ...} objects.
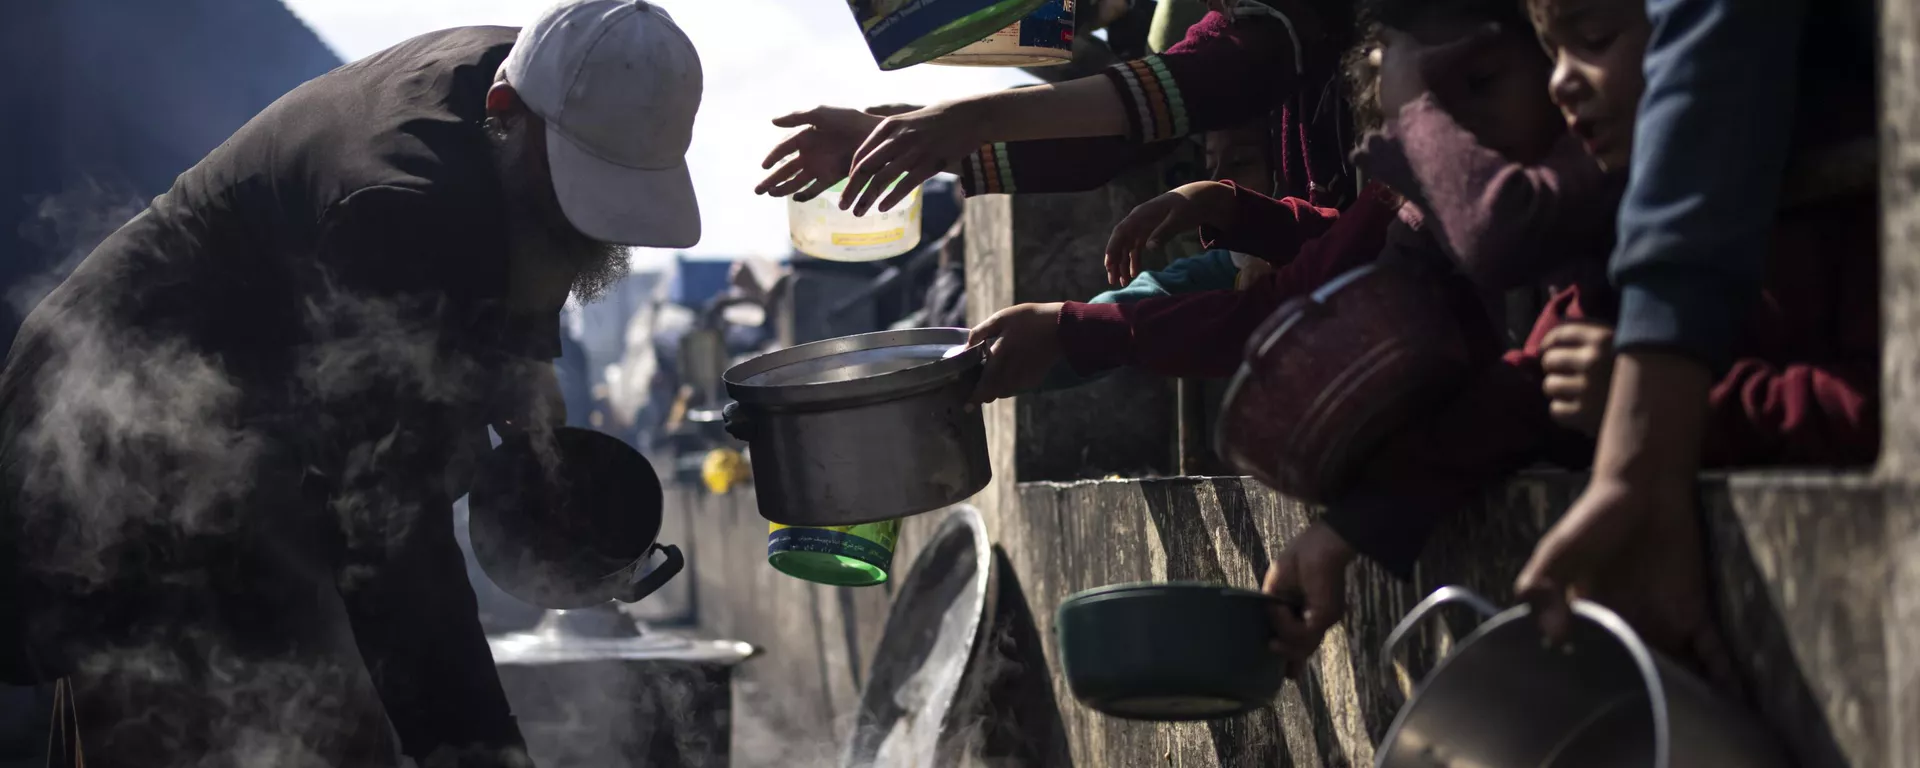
[{"x": 1170, "y": 652}]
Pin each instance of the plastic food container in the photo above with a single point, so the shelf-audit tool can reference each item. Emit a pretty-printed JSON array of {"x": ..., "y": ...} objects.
[{"x": 821, "y": 230}]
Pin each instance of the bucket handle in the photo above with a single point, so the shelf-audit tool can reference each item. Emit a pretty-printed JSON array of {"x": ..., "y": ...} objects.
[
  {"x": 1390, "y": 653},
  {"x": 658, "y": 577}
]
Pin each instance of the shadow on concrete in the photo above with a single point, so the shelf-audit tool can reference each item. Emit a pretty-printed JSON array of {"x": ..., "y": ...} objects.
[
  {"x": 1256, "y": 738},
  {"x": 1022, "y": 723}
]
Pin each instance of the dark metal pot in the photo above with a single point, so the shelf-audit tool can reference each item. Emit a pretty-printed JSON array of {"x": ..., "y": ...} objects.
[
  {"x": 862, "y": 428},
  {"x": 1504, "y": 698},
  {"x": 1327, "y": 376},
  {"x": 572, "y": 529},
  {"x": 1170, "y": 652}
]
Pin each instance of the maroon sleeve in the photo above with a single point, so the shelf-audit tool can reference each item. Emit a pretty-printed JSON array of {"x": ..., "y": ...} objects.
[
  {"x": 1506, "y": 223},
  {"x": 1805, "y": 414},
  {"x": 1497, "y": 425},
  {"x": 1268, "y": 229},
  {"x": 1205, "y": 334},
  {"x": 1054, "y": 165},
  {"x": 1223, "y": 73}
]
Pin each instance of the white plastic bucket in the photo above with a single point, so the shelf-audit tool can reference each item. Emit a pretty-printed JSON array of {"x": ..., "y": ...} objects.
[
  {"x": 821, "y": 230},
  {"x": 1044, "y": 38}
]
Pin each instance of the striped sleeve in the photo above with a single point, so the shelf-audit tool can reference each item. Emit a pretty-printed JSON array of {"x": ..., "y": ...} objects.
[{"x": 1156, "y": 110}]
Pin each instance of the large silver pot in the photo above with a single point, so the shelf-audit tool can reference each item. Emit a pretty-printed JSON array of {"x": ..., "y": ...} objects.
[
  {"x": 862, "y": 428},
  {"x": 1505, "y": 699}
]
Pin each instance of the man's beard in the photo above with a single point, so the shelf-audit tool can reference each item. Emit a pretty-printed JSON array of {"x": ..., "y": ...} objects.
[{"x": 538, "y": 227}]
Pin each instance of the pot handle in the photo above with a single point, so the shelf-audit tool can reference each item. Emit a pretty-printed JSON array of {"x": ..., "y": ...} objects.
[
  {"x": 1390, "y": 653},
  {"x": 658, "y": 577},
  {"x": 735, "y": 421}
]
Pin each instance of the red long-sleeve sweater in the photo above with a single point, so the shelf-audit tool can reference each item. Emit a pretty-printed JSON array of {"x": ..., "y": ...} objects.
[
  {"x": 1277, "y": 57},
  {"x": 1803, "y": 389}
]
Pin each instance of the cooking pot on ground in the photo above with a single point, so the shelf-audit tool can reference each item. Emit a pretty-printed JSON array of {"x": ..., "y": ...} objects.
[
  {"x": 569, "y": 523},
  {"x": 1506, "y": 699},
  {"x": 1169, "y": 652},
  {"x": 862, "y": 428},
  {"x": 1327, "y": 376}
]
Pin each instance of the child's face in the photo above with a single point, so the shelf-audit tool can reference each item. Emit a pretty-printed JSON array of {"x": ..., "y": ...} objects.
[
  {"x": 1597, "y": 47},
  {"x": 1495, "y": 94},
  {"x": 1240, "y": 156}
]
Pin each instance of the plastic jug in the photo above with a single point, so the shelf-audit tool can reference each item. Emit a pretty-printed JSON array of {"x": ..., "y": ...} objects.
[
  {"x": 1044, "y": 38},
  {"x": 840, "y": 555},
  {"x": 902, "y": 33},
  {"x": 821, "y": 230}
]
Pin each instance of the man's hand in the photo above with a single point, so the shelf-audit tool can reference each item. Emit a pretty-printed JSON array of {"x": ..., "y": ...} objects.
[
  {"x": 1313, "y": 570},
  {"x": 819, "y": 155},
  {"x": 1026, "y": 345},
  {"x": 1409, "y": 67},
  {"x": 1578, "y": 360},
  {"x": 1144, "y": 228},
  {"x": 911, "y": 148},
  {"x": 1632, "y": 541}
]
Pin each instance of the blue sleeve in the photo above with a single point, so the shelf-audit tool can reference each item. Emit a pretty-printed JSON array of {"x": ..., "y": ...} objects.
[{"x": 1709, "y": 150}]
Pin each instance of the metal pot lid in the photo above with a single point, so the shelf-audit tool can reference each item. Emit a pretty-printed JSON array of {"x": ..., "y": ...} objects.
[
  {"x": 532, "y": 648},
  {"x": 920, "y": 667},
  {"x": 880, "y": 365}
]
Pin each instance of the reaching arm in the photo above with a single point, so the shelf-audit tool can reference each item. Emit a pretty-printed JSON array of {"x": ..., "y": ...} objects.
[
  {"x": 1205, "y": 334},
  {"x": 1507, "y": 224}
]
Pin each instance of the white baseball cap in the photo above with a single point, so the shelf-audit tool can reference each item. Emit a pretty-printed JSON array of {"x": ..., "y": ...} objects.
[{"x": 618, "y": 84}]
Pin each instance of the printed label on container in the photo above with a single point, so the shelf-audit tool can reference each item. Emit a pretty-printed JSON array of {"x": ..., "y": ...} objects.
[
  {"x": 870, "y": 543},
  {"x": 869, "y": 238}
]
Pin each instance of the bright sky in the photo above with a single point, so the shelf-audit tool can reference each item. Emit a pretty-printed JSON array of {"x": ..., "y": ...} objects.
[{"x": 762, "y": 59}]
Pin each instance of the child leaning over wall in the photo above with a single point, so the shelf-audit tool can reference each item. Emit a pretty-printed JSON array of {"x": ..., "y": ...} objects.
[{"x": 1801, "y": 389}]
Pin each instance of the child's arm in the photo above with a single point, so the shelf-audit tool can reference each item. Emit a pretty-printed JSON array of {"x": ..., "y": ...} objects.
[
  {"x": 1228, "y": 217},
  {"x": 1222, "y": 74},
  {"x": 1506, "y": 223},
  {"x": 1204, "y": 334}
]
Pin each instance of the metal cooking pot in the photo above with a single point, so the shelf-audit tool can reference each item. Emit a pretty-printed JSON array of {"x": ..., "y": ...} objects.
[
  {"x": 571, "y": 529},
  {"x": 1327, "y": 376},
  {"x": 1171, "y": 652},
  {"x": 862, "y": 428},
  {"x": 1505, "y": 699}
]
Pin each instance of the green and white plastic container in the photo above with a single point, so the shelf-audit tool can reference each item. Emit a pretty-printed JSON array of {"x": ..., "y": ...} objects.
[
  {"x": 902, "y": 33},
  {"x": 840, "y": 555}
]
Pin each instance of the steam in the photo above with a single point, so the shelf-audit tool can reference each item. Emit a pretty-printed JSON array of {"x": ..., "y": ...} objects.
[{"x": 142, "y": 457}]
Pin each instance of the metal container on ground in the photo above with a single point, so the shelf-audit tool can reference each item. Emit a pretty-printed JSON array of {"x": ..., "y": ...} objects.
[
  {"x": 1504, "y": 698},
  {"x": 864, "y": 428}
]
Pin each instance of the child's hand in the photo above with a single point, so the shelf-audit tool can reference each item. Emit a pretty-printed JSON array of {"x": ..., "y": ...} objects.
[
  {"x": 1409, "y": 67},
  {"x": 818, "y": 155},
  {"x": 1578, "y": 360},
  {"x": 1026, "y": 344},
  {"x": 1312, "y": 569},
  {"x": 1186, "y": 207}
]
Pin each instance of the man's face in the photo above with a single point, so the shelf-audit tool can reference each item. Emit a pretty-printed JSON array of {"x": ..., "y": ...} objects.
[
  {"x": 542, "y": 239},
  {"x": 1597, "y": 47}
]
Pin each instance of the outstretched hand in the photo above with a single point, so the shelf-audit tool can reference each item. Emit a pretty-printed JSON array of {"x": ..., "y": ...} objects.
[
  {"x": 1150, "y": 223},
  {"x": 907, "y": 149},
  {"x": 818, "y": 155},
  {"x": 1026, "y": 345}
]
